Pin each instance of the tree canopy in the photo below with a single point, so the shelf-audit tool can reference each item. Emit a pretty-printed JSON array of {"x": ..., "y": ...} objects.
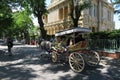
[
  {"x": 5, "y": 16},
  {"x": 38, "y": 8},
  {"x": 22, "y": 24},
  {"x": 116, "y": 4},
  {"x": 15, "y": 22}
]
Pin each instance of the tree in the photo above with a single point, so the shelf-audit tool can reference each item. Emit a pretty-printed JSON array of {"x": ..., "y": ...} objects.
[
  {"x": 34, "y": 32},
  {"x": 22, "y": 24},
  {"x": 6, "y": 19},
  {"x": 5, "y": 16},
  {"x": 38, "y": 8},
  {"x": 76, "y": 7},
  {"x": 116, "y": 4}
]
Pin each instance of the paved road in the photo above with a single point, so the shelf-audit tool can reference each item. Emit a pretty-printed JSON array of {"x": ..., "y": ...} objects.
[{"x": 26, "y": 64}]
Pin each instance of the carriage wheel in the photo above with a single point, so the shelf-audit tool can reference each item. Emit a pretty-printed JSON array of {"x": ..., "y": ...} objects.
[
  {"x": 76, "y": 62},
  {"x": 54, "y": 57},
  {"x": 92, "y": 58}
]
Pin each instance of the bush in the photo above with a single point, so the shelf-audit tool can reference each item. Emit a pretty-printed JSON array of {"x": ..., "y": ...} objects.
[{"x": 105, "y": 35}]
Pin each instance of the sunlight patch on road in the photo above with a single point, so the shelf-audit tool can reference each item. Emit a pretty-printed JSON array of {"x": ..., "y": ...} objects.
[
  {"x": 24, "y": 46},
  {"x": 105, "y": 69},
  {"x": 54, "y": 76},
  {"x": 11, "y": 62}
]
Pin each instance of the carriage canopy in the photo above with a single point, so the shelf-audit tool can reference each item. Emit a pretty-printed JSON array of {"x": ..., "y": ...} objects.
[{"x": 73, "y": 30}]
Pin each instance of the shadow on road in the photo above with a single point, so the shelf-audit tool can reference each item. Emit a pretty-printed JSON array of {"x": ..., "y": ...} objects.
[
  {"x": 21, "y": 65},
  {"x": 11, "y": 73}
]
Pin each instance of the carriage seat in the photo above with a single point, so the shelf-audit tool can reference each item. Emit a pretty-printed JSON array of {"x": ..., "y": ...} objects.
[{"x": 78, "y": 46}]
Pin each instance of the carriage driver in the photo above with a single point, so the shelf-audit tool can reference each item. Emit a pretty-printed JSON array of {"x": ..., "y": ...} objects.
[
  {"x": 78, "y": 38},
  {"x": 60, "y": 43}
]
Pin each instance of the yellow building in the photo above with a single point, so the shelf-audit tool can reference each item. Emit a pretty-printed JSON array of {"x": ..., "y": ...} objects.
[{"x": 98, "y": 18}]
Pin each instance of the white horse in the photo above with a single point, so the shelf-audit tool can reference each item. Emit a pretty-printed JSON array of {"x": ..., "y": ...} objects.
[{"x": 45, "y": 45}]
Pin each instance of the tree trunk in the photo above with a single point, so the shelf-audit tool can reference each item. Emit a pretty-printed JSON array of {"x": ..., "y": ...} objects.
[
  {"x": 42, "y": 30},
  {"x": 75, "y": 23},
  {"x": 27, "y": 37}
]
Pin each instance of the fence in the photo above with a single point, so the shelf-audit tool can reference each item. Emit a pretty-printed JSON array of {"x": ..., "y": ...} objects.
[{"x": 107, "y": 45}]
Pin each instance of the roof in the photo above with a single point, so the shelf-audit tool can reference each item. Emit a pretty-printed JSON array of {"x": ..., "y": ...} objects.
[{"x": 73, "y": 30}]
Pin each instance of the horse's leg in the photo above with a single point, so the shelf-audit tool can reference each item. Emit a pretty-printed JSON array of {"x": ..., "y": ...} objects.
[{"x": 42, "y": 45}]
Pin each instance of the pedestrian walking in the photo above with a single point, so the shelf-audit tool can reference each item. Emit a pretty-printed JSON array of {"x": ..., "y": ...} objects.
[{"x": 10, "y": 45}]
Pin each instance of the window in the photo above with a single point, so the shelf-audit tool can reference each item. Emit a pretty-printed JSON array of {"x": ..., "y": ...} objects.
[
  {"x": 66, "y": 12},
  {"x": 93, "y": 29},
  {"x": 93, "y": 10},
  {"x": 61, "y": 14},
  {"x": 109, "y": 15}
]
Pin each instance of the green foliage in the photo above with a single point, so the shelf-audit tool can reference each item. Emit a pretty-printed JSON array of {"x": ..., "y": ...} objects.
[
  {"x": 106, "y": 35},
  {"x": 14, "y": 23},
  {"x": 33, "y": 30},
  {"x": 116, "y": 4},
  {"x": 5, "y": 16},
  {"x": 22, "y": 21},
  {"x": 38, "y": 8},
  {"x": 6, "y": 19},
  {"x": 114, "y": 34},
  {"x": 22, "y": 25}
]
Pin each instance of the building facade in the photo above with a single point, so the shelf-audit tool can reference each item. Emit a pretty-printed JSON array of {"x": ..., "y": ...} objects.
[{"x": 98, "y": 18}]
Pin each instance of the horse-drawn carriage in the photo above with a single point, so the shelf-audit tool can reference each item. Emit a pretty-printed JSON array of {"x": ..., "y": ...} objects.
[{"x": 71, "y": 47}]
